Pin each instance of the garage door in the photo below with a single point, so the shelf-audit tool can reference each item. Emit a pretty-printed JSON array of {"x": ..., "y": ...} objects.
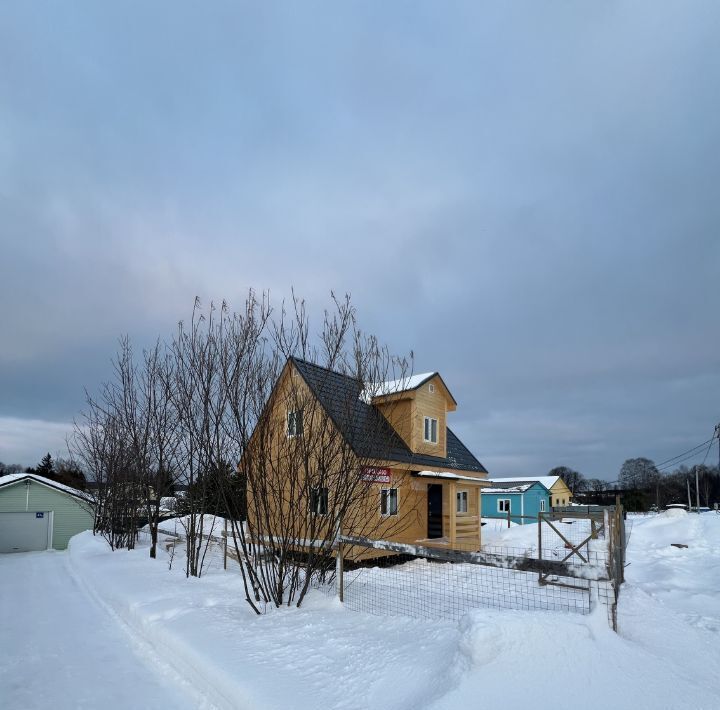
[{"x": 23, "y": 532}]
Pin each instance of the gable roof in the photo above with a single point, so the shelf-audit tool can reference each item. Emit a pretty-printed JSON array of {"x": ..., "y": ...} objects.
[
  {"x": 513, "y": 486},
  {"x": 12, "y": 478},
  {"x": 405, "y": 384},
  {"x": 367, "y": 431},
  {"x": 547, "y": 481}
]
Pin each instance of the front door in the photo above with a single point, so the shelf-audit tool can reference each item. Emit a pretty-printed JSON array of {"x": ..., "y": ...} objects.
[{"x": 435, "y": 521}]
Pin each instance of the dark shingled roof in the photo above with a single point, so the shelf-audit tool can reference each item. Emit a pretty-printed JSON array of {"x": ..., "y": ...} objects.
[{"x": 367, "y": 431}]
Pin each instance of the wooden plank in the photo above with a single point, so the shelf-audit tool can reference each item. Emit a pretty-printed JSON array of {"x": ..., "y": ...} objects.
[
  {"x": 452, "y": 503},
  {"x": 574, "y": 550}
]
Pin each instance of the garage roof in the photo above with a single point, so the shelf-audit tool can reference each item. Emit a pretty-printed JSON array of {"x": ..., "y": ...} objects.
[{"x": 12, "y": 478}]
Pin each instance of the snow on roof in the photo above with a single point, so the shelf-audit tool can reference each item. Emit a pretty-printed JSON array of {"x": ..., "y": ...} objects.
[
  {"x": 14, "y": 477},
  {"x": 510, "y": 489},
  {"x": 547, "y": 481},
  {"x": 404, "y": 384},
  {"x": 448, "y": 476}
]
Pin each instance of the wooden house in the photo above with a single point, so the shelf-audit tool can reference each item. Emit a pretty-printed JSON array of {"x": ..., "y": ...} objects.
[
  {"x": 520, "y": 500},
  {"x": 416, "y": 481},
  {"x": 560, "y": 494}
]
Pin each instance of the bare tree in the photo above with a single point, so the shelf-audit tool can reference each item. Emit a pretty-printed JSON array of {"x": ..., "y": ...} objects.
[
  {"x": 212, "y": 408},
  {"x": 99, "y": 443},
  {"x": 304, "y": 473}
]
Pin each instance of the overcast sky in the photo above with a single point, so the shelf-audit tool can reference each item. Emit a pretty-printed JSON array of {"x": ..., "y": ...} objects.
[{"x": 525, "y": 194}]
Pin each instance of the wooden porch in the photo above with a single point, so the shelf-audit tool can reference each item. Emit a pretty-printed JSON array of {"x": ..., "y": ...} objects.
[{"x": 456, "y": 524}]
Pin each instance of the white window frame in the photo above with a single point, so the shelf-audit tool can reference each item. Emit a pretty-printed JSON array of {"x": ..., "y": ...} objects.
[
  {"x": 294, "y": 430},
  {"x": 431, "y": 388},
  {"x": 542, "y": 505},
  {"x": 428, "y": 430},
  {"x": 317, "y": 508},
  {"x": 460, "y": 497},
  {"x": 500, "y": 505},
  {"x": 385, "y": 497}
]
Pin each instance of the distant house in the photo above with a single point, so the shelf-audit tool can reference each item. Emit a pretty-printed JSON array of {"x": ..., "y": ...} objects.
[
  {"x": 560, "y": 494},
  {"x": 523, "y": 500},
  {"x": 37, "y": 513},
  {"x": 412, "y": 463}
]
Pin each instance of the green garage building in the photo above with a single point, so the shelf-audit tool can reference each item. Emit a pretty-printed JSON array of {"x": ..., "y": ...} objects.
[{"x": 38, "y": 514}]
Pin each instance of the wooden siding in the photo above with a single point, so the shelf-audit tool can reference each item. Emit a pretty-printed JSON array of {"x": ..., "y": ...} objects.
[
  {"x": 401, "y": 410},
  {"x": 435, "y": 405},
  {"x": 70, "y": 515},
  {"x": 521, "y": 504},
  {"x": 561, "y": 494}
]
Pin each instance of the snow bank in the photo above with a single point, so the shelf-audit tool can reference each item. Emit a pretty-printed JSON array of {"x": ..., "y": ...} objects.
[
  {"x": 323, "y": 655},
  {"x": 317, "y": 656},
  {"x": 516, "y": 659}
]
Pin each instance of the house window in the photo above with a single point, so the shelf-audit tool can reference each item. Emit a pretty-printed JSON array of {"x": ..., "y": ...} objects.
[
  {"x": 431, "y": 388},
  {"x": 389, "y": 501},
  {"x": 295, "y": 423},
  {"x": 318, "y": 501},
  {"x": 462, "y": 502},
  {"x": 503, "y": 505},
  {"x": 431, "y": 430},
  {"x": 542, "y": 505}
]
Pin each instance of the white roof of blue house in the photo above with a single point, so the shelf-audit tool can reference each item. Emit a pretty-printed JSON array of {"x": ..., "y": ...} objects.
[
  {"x": 507, "y": 489},
  {"x": 515, "y": 485},
  {"x": 547, "y": 481}
]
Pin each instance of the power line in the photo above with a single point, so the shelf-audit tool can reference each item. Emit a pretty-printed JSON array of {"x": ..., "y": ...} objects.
[
  {"x": 708, "y": 450},
  {"x": 692, "y": 451},
  {"x": 681, "y": 461}
]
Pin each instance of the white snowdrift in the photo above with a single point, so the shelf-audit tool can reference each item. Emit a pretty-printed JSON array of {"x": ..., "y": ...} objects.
[{"x": 322, "y": 655}]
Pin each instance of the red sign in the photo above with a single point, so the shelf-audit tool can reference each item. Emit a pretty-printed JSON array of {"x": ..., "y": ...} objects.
[{"x": 375, "y": 475}]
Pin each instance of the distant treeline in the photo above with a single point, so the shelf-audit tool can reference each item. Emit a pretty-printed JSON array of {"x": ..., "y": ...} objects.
[{"x": 641, "y": 485}]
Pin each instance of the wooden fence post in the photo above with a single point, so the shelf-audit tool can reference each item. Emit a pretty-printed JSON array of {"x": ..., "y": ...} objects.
[
  {"x": 340, "y": 572},
  {"x": 225, "y": 535},
  {"x": 339, "y": 563},
  {"x": 540, "y": 553}
]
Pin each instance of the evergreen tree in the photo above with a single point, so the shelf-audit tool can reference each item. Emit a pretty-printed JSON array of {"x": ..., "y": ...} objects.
[{"x": 45, "y": 468}]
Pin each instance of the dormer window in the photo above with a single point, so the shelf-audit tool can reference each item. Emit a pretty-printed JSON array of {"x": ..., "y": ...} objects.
[
  {"x": 430, "y": 431},
  {"x": 294, "y": 423}
]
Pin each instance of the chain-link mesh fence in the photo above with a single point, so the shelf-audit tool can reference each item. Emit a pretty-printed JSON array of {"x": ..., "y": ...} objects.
[{"x": 575, "y": 561}]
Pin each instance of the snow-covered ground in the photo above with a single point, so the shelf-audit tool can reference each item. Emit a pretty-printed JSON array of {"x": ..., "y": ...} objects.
[
  {"x": 62, "y": 649},
  {"x": 326, "y": 656}
]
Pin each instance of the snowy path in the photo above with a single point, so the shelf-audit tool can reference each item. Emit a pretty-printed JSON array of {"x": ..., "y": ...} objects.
[{"x": 60, "y": 649}]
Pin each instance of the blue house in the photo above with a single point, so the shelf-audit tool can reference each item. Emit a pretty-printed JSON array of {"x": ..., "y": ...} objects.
[{"x": 522, "y": 499}]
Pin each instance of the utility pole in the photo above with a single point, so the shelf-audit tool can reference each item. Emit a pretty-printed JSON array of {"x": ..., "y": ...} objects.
[
  {"x": 697, "y": 489},
  {"x": 689, "y": 498}
]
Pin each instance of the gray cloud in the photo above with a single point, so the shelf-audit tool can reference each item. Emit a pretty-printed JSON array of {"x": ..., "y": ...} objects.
[{"x": 524, "y": 195}]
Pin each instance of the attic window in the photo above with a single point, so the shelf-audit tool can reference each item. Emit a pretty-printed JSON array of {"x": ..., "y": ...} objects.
[
  {"x": 430, "y": 430},
  {"x": 318, "y": 501},
  {"x": 294, "y": 423},
  {"x": 431, "y": 388}
]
